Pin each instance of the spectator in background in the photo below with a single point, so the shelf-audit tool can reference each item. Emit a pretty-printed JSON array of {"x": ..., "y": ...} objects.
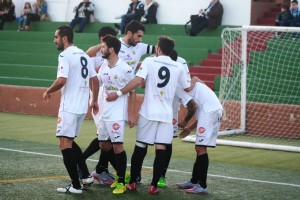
[
  {"x": 39, "y": 13},
  {"x": 210, "y": 17},
  {"x": 134, "y": 12},
  {"x": 295, "y": 11},
  {"x": 283, "y": 18},
  {"x": 22, "y": 20},
  {"x": 7, "y": 12},
  {"x": 83, "y": 13},
  {"x": 150, "y": 12}
]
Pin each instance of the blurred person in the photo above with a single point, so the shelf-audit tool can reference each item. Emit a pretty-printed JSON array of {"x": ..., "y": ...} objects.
[
  {"x": 22, "y": 20},
  {"x": 295, "y": 21},
  {"x": 83, "y": 13},
  {"x": 40, "y": 12},
  {"x": 74, "y": 74},
  {"x": 150, "y": 12},
  {"x": 211, "y": 18},
  {"x": 7, "y": 12},
  {"x": 135, "y": 12}
]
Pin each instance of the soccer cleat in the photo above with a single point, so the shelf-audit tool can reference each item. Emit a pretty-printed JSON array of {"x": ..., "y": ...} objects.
[
  {"x": 114, "y": 184},
  {"x": 131, "y": 186},
  {"x": 86, "y": 182},
  {"x": 105, "y": 178},
  {"x": 153, "y": 190},
  {"x": 127, "y": 177},
  {"x": 185, "y": 185},
  {"x": 120, "y": 189},
  {"x": 69, "y": 189},
  {"x": 197, "y": 189},
  {"x": 162, "y": 182}
]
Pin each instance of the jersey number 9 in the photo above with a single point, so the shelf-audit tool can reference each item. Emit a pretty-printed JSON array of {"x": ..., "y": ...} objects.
[{"x": 163, "y": 74}]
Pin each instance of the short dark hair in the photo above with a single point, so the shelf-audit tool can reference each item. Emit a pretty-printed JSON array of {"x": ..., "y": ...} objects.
[
  {"x": 67, "y": 31},
  {"x": 166, "y": 44},
  {"x": 107, "y": 30},
  {"x": 294, "y": 1},
  {"x": 174, "y": 55},
  {"x": 285, "y": 6},
  {"x": 112, "y": 42},
  {"x": 134, "y": 26}
]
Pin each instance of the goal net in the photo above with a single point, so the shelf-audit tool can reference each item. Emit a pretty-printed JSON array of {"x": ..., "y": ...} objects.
[{"x": 260, "y": 88}]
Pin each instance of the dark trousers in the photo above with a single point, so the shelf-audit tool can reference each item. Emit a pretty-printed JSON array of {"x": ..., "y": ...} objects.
[
  {"x": 32, "y": 17},
  {"x": 5, "y": 18},
  {"x": 124, "y": 21},
  {"x": 81, "y": 21},
  {"x": 198, "y": 24}
]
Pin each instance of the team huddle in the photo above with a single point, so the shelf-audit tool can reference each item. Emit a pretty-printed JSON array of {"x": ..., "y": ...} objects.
[{"x": 105, "y": 76}]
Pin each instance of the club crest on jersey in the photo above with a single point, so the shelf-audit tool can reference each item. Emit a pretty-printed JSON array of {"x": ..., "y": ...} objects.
[
  {"x": 201, "y": 130},
  {"x": 174, "y": 121},
  {"x": 116, "y": 77},
  {"x": 133, "y": 51},
  {"x": 116, "y": 126},
  {"x": 161, "y": 93}
]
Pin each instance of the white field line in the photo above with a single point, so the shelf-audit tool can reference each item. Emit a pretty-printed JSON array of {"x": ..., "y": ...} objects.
[{"x": 169, "y": 170}]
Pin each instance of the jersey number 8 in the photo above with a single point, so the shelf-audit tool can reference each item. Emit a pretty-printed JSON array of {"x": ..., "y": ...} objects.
[{"x": 84, "y": 69}]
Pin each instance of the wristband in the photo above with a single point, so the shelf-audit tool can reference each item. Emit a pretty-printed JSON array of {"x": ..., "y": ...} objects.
[{"x": 119, "y": 93}]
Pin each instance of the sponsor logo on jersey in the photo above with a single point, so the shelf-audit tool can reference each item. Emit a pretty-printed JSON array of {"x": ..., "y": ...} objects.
[
  {"x": 116, "y": 77},
  {"x": 174, "y": 121},
  {"x": 61, "y": 67},
  {"x": 201, "y": 130},
  {"x": 133, "y": 51},
  {"x": 116, "y": 126},
  {"x": 129, "y": 71},
  {"x": 201, "y": 140},
  {"x": 58, "y": 120}
]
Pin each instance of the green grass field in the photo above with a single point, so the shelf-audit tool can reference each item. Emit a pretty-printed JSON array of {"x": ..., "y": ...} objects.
[{"x": 32, "y": 167}]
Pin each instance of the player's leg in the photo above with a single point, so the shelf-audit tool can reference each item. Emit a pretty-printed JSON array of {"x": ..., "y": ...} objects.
[
  {"x": 91, "y": 149},
  {"x": 163, "y": 136},
  {"x": 66, "y": 132}
]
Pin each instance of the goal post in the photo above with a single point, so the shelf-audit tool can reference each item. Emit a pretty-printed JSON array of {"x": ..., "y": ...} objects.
[{"x": 260, "y": 88}]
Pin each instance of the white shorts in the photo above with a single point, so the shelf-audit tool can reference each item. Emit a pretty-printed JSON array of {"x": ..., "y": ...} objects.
[
  {"x": 69, "y": 124},
  {"x": 111, "y": 130},
  {"x": 153, "y": 132},
  {"x": 207, "y": 128}
]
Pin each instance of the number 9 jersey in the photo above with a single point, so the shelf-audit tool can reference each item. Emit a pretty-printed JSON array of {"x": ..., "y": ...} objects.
[
  {"x": 162, "y": 75},
  {"x": 75, "y": 65}
]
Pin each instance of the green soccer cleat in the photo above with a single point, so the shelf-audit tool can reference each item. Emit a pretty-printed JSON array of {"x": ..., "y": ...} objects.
[
  {"x": 162, "y": 182},
  {"x": 120, "y": 189}
]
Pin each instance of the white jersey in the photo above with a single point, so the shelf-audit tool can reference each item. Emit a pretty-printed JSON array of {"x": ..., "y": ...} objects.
[
  {"x": 98, "y": 60},
  {"x": 75, "y": 65},
  {"x": 203, "y": 96},
  {"x": 162, "y": 76},
  {"x": 132, "y": 54},
  {"x": 112, "y": 80}
]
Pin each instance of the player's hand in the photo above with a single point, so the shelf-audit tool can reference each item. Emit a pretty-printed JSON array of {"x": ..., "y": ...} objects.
[
  {"x": 46, "y": 97},
  {"x": 131, "y": 121},
  {"x": 112, "y": 96},
  {"x": 182, "y": 124},
  {"x": 185, "y": 132},
  {"x": 95, "y": 108}
]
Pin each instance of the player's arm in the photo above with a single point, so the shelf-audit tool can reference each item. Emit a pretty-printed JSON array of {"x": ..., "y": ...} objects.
[
  {"x": 94, "y": 84},
  {"x": 194, "y": 80},
  {"x": 56, "y": 85},
  {"x": 187, "y": 130},
  {"x": 92, "y": 51},
  {"x": 131, "y": 108},
  {"x": 133, "y": 84},
  {"x": 191, "y": 108}
]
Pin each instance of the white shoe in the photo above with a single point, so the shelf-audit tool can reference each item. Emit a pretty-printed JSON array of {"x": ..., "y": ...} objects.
[
  {"x": 70, "y": 189},
  {"x": 86, "y": 182}
]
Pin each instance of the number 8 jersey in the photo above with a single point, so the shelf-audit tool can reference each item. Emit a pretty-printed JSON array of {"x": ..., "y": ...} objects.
[
  {"x": 162, "y": 75},
  {"x": 75, "y": 65}
]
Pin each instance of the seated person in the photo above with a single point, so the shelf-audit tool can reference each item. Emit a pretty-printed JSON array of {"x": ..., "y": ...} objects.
[
  {"x": 295, "y": 11},
  {"x": 150, "y": 12},
  {"x": 7, "y": 12},
  {"x": 211, "y": 17},
  {"x": 22, "y": 20},
  {"x": 135, "y": 12},
  {"x": 83, "y": 13},
  {"x": 39, "y": 11}
]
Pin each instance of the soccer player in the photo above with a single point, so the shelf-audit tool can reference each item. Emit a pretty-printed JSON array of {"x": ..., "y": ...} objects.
[
  {"x": 132, "y": 49},
  {"x": 161, "y": 75},
  {"x": 75, "y": 71},
  {"x": 176, "y": 106},
  {"x": 209, "y": 115},
  {"x": 115, "y": 74}
]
